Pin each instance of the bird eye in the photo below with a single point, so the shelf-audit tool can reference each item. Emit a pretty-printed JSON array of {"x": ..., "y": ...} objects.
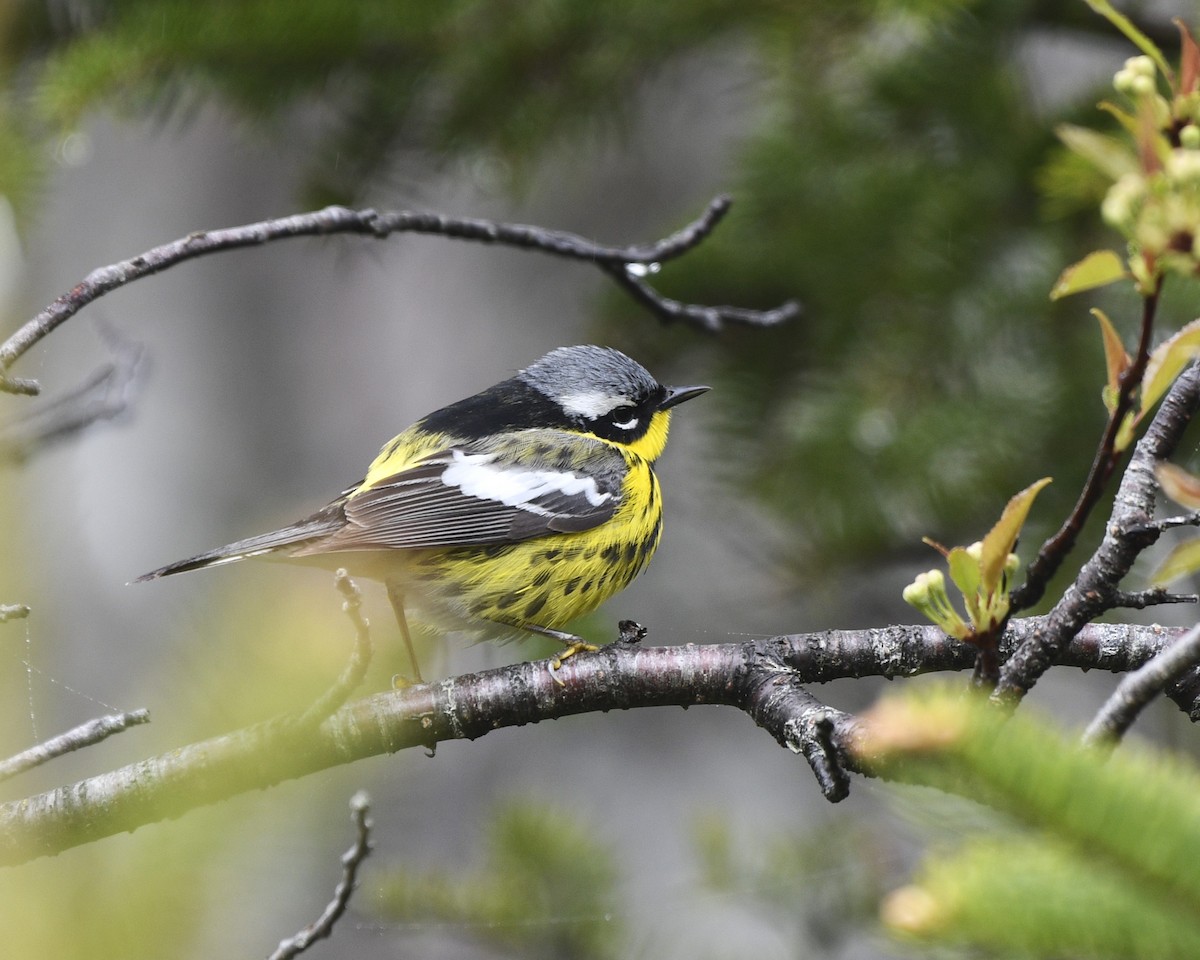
[{"x": 624, "y": 418}]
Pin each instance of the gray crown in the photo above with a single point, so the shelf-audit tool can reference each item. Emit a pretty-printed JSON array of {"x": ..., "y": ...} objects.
[{"x": 570, "y": 370}]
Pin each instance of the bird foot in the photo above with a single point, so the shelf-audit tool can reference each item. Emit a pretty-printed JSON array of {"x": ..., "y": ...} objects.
[{"x": 572, "y": 648}]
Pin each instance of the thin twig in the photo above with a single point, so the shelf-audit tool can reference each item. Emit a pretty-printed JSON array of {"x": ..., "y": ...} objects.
[
  {"x": 711, "y": 319},
  {"x": 322, "y": 927},
  {"x": 1154, "y": 597},
  {"x": 1128, "y": 532},
  {"x": 1137, "y": 689},
  {"x": 356, "y": 667},
  {"x": 338, "y": 220},
  {"x": 84, "y": 735},
  {"x": 1172, "y": 523},
  {"x": 1055, "y": 550},
  {"x": 105, "y": 395}
]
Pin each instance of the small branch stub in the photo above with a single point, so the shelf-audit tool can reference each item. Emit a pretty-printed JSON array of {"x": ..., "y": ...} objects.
[{"x": 85, "y": 735}]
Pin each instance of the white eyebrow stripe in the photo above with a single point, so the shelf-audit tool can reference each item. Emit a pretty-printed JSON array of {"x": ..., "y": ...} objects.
[
  {"x": 591, "y": 404},
  {"x": 476, "y": 476}
]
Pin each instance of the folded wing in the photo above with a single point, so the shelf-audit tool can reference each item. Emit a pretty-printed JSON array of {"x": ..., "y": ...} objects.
[{"x": 472, "y": 497}]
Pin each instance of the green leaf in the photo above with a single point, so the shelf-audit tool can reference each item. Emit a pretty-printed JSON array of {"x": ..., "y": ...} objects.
[
  {"x": 964, "y": 570},
  {"x": 1001, "y": 539},
  {"x": 1116, "y": 359},
  {"x": 1132, "y": 33},
  {"x": 1167, "y": 362},
  {"x": 1097, "y": 269},
  {"x": 1183, "y": 560},
  {"x": 1108, "y": 154},
  {"x": 1108, "y": 396},
  {"x": 1126, "y": 433}
]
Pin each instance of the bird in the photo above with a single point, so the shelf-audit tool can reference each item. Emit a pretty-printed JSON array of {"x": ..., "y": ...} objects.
[{"x": 512, "y": 511}]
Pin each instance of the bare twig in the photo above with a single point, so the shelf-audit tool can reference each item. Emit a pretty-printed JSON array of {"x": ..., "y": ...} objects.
[
  {"x": 1171, "y": 523},
  {"x": 85, "y": 735},
  {"x": 800, "y": 722},
  {"x": 711, "y": 319},
  {"x": 1154, "y": 597},
  {"x": 1137, "y": 689},
  {"x": 13, "y": 611},
  {"x": 322, "y": 927},
  {"x": 356, "y": 667},
  {"x": 336, "y": 220},
  {"x": 619, "y": 676},
  {"x": 1127, "y": 533},
  {"x": 105, "y": 395},
  {"x": 1055, "y": 550}
]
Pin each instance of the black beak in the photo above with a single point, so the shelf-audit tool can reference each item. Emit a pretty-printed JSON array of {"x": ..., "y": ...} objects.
[{"x": 676, "y": 395}]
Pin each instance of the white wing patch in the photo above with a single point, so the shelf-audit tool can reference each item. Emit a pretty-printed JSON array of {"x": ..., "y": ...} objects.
[
  {"x": 476, "y": 476},
  {"x": 591, "y": 404}
]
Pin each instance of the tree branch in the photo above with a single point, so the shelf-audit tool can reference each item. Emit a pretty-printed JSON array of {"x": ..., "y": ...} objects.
[
  {"x": 1137, "y": 689},
  {"x": 85, "y": 735},
  {"x": 620, "y": 676},
  {"x": 1128, "y": 532},
  {"x": 373, "y": 223},
  {"x": 1055, "y": 550},
  {"x": 800, "y": 722}
]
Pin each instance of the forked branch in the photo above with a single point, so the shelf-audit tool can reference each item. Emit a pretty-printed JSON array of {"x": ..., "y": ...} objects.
[
  {"x": 623, "y": 263},
  {"x": 759, "y": 677}
]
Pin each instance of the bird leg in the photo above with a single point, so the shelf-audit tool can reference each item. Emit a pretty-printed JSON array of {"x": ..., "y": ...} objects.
[
  {"x": 572, "y": 643},
  {"x": 396, "y": 596}
]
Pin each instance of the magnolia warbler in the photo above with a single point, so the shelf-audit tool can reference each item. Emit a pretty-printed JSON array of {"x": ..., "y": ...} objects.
[{"x": 524, "y": 506}]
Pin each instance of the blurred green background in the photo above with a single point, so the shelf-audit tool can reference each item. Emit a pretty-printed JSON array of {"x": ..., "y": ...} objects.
[{"x": 894, "y": 168}]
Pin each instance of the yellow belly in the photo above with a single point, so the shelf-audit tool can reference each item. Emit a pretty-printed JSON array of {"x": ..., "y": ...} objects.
[{"x": 546, "y": 581}]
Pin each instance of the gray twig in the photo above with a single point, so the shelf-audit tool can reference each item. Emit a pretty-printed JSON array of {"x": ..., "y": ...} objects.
[
  {"x": 85, "y": 735},
  {"x": 105, "y": 395},
  {"x": 1127, "y": 533},
  {"x": 1172, "y": 523},
  {"x": 1154, "y": 597},
  {"x": 711, "y": 319},
  {"x": 336, "y": 220},
  {"x": 1140, "y": 687},
  {"x": 322, "y": 927},
  {"x": 1108, "y": 455}
]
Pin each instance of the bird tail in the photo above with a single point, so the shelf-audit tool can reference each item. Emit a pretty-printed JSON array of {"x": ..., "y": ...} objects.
[{"x": 315, "y": 527}]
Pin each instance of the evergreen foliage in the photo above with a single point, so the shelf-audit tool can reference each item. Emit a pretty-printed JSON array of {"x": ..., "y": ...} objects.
[
  {"x": 886, "y": 180},
  {"x": 546, "y": 888},
  {"x": 1106, "y": 858}
]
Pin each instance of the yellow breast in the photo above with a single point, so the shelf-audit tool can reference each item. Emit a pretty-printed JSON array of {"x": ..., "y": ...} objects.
[{"x": 549, "y": 581}]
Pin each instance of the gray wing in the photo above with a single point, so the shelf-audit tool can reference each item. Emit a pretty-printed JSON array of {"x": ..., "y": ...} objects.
[
  {"x": 479, "y": 494},
  {"x": 293, "y": 538}
]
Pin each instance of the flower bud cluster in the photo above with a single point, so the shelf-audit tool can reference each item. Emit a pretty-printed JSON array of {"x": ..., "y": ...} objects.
[
  {"x": 986, "y": 606},
  {"x": 1156, "y": 205}
]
